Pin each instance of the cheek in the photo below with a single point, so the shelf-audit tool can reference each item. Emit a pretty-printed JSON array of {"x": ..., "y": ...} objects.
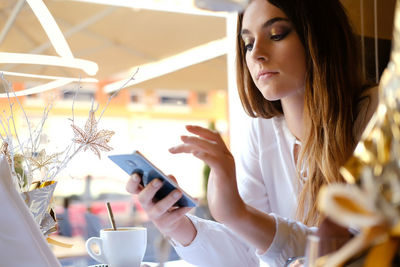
[
  {"x": 298, "y": 60},
  {"x": 250, "y": 65},
  {"x": 297, "y": 67},
  {"x": 248, "y": 62}
]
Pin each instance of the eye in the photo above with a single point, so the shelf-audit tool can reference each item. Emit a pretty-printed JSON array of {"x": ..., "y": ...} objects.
[
  {"x": 248, "y": 47},
  {"x": 278, "y": 37},
  {"x": 247, "y": 44}
]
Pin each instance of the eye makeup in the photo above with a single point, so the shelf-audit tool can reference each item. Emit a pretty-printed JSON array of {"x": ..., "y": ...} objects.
[
  {"x": 248, "y": 44},
  {"x": 276, "y": 29},
  {"x": 278, "y": 33}
]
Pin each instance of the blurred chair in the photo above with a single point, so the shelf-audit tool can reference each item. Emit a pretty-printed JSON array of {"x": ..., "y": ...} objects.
[
  {"x": 93, "y": 224},
  {"x": 63, "y": 221}
]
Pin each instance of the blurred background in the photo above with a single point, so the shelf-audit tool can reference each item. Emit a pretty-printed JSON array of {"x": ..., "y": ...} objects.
[{"x": 184, "y": 59}]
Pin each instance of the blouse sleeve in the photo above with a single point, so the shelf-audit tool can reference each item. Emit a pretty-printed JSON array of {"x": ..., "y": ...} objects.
[
  {"x": 215, "y": 246},
  {"x": 289, "y": 241}
]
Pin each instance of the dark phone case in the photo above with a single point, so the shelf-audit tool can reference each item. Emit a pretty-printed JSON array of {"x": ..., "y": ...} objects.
[{"x": 137, "y": 163}]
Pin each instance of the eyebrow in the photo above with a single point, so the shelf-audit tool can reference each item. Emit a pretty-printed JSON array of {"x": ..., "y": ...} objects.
[{"x": 266, "y": 24}]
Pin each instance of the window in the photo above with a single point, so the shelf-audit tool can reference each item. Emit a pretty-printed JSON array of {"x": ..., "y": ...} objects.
[
  {"x": 86, "y": 92},
  {"x": 80, "y": 96},
  {"x": 135, "y": 98},
  {"x": 33, "y": 96},
  {"x": 173, "y": 100},
  {"x": 202, "y": 98},
  {"x": 31, "y": 85}
]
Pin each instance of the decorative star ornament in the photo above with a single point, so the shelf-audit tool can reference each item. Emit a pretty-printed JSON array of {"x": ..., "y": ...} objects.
[
  {"x": 5, "y": 151},
  {"x": 41, "y": 160},
  {"x": 90, "y": 138}
]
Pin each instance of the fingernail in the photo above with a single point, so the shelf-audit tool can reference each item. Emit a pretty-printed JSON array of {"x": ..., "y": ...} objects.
[
  {"x": 157, "y": 183},
  {"x": 128, "y": 188},
  {"x": 135, "y": 178},
  {"x": 171, "y": 149},
  {"x": 176, "y": 195}
]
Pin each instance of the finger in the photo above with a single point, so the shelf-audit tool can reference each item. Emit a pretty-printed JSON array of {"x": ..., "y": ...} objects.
[
  {"x": 173, "y": 216},
  {"x": 203, "y": 155},
  {"x": 146, "y": 196},
  {"x": 163, "y": 205},
  {"x": 133, "y": 185},
  {"x": 206, "y": 147},
  {"x": 209, "y": 159},
  {"x": 200, "y": 142},
  {"x": 206, "y": 133},
  {"x": 170, "y": 176},
  {"x": 192, "y": 144},
  {"x": 184, "y": 148}
]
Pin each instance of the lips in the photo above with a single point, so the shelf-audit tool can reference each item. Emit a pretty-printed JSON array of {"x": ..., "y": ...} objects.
[{"x": 263, "y": 75}]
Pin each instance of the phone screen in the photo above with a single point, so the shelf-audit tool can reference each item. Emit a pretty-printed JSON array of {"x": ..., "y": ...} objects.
[{"x": 138, "y": 163}]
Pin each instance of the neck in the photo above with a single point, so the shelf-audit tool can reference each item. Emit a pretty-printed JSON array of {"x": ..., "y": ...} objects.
[{"x": 293, "y": 107}]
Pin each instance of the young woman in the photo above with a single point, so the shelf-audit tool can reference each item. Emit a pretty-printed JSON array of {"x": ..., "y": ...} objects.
[{"x": 299, "y": 77}]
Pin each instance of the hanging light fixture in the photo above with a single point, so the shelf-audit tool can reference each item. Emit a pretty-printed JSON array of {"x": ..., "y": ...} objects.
[
  {"x": 65, "y": 57},
  {"x": 89, "y": 67},
  {"x": 222, "y": 5},
  {"x": 176, "y": 6}
]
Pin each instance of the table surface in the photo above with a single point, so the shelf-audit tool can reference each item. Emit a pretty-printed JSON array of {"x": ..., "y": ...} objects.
[
  {"x": 79, "y": 250},
  {"x": 178, "y": 263}
]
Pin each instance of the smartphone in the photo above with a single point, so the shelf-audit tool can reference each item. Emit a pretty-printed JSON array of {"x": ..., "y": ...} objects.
[{"x": 138, "y": 163}]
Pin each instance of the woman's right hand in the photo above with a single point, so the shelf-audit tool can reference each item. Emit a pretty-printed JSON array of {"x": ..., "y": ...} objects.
[
  {"x": 169, "y": 219},
  {"x": 225, "y": 204}
]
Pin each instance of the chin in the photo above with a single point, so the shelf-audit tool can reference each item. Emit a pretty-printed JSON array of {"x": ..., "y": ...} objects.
[
  {"x": 271, "y": 96},
  {"x": 270, "y": 93}
]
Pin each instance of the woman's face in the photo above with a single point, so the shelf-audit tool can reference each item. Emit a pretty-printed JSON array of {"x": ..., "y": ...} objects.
[{"x": 275, "y": 55}]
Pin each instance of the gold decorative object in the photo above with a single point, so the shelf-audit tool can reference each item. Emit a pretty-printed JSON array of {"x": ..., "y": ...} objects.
[{"x": 370, "y": 202}]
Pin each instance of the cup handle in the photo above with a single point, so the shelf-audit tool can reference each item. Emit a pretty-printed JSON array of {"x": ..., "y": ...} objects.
[{"x": 97, "y": 256}]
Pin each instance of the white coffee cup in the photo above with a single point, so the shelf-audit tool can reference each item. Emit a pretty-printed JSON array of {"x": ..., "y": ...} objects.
[{"x": 124, "y": 247}]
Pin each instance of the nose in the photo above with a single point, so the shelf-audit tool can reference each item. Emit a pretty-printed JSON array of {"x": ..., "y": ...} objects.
[{"x": 259, "y": 51}]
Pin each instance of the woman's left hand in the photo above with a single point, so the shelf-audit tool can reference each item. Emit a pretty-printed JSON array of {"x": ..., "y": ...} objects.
[{"x": 223, "y": 197}]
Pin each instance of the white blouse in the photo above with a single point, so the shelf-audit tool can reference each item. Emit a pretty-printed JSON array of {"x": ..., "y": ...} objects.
[{"x": 267, "y": 180}]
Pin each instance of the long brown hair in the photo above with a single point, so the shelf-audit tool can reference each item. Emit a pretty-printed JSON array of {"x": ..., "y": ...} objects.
[{"x": 334, "y": 88}]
